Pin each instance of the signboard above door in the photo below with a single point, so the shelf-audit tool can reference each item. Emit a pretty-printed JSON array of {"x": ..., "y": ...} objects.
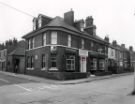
[{"x": 83, "y": 53}]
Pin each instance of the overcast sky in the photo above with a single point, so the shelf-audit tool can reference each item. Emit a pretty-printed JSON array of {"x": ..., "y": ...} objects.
[{"x": 113, "y": 17}]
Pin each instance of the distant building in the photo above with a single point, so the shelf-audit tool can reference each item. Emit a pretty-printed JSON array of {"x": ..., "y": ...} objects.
[
  {"x": 132, "y": 57},
  {"x": 3, "y": 60},
  {"x": 62, "y": 45},
  {"x": 16, "y": 59}
]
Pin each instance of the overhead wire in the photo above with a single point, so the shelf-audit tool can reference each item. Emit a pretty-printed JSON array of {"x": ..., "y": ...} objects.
[{"x": 7, "y": 5}]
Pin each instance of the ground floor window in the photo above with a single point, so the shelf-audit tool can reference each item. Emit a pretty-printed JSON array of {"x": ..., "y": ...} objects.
[
  {"x": 30, "y": 62},
  {"x": 53, "y": 60},
  {"x": 70, "y": 62},
  {"x": 94, "y": 64},
  {"x": 43, "y": 61},
  {"x": 101, "y": 64},
  {"x": 3, "y": 65}
]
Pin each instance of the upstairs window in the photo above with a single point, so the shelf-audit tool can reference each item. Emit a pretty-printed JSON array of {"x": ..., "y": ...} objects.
[
  {"x": 39, "y": 22},
  {"x": 82, "y": 42},
  {"x": 34, "y": 24},
  {"x": 92, "y": 44},
  {"x": 31, "y": 43},
  {"x": 44, "y": 39},
  {"x": 69, "y": 40},
  {"x": 54, "y": 38}
]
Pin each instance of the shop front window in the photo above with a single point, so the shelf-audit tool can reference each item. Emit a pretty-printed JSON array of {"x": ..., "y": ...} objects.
[
  {"x": 102, "y": 65},
  {"x": 70, "y": 62},
  {"x": 94, "y": 64}
]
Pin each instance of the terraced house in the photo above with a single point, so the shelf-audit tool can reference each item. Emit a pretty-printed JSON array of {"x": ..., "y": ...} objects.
[{"x": 63, "y": 48}]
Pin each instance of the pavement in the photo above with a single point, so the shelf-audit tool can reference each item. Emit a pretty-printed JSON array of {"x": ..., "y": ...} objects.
[{"x": 74, "y": 81}]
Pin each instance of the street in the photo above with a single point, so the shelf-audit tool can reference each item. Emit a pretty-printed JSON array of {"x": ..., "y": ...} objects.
[{"x": 107, "y": 91}]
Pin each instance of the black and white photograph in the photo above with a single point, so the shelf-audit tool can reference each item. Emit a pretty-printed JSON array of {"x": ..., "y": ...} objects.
[{"x": 67, "y": 51}]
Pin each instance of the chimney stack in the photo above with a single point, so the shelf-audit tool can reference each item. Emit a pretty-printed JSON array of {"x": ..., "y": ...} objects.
[
  {"x": 89, "y": 21},
  {"x": 131, "y": 48},
  {"x": 69, "y": 17},
  {"x": 79, "y": 24},
  {"x": 106, "y": 39},
  {"x": 123, "y": 45},
  {"x": 114, "y": 43},
  {"x": 90, "y": 27}
]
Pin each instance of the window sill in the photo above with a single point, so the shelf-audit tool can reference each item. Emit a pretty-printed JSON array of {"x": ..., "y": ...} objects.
[
  {"x": 43, "y": 69},
  {"x": 30, "y": 68},
  {"x": 53, "y": 69}
]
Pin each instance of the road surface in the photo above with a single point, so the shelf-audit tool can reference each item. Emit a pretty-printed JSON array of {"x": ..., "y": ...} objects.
[{"x": 107, "y": 91}]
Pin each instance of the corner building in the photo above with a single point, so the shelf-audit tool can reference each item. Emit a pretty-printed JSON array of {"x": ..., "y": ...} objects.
[{"x": 62, "y": 48}]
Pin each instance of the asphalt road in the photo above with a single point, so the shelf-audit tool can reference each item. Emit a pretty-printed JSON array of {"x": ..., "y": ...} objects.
[
  {"x": 8, "y": 80},
  {"x": 108, "y": 91}
]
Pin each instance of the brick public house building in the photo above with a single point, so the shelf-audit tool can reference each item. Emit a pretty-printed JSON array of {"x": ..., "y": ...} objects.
[{"x": 62, "y": 48}]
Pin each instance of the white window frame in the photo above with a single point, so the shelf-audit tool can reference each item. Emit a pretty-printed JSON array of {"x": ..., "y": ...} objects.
[
  {"x": 29, "y": 44},
  {"x": 33, "y": 42},
  {"x": 34, "y": 24},
  {"x": 39, "y": 22},
  {"x": 44, "y": 39},
  {"x": 72, "y": 64},
  {"x": 69, "y": 40},
  {"x": 53, "y": 59},
  {"x": 53, "y": 37},
  {"x": 82, "y": 43},
  {"x": 92, "y": 44},
  {"x": 102, "y": 62},
  {"x": 43, "y": 60},
  {"x": 94, "y": 64}
]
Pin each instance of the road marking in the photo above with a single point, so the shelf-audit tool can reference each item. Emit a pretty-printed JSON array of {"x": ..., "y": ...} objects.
[
  {"x": 49, "y": 87},
  {"x": 23, "y": 87},
  {"x": 4, "y": 80}
]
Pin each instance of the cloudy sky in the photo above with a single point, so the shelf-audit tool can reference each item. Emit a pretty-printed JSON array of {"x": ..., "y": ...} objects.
[{"x": 113, "y": 17}]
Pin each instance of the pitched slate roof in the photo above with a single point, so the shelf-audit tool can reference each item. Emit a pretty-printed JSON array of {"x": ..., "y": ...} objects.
[
  {"x": 19, "y": 50},
  {"x": 59, "y": 22}
]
